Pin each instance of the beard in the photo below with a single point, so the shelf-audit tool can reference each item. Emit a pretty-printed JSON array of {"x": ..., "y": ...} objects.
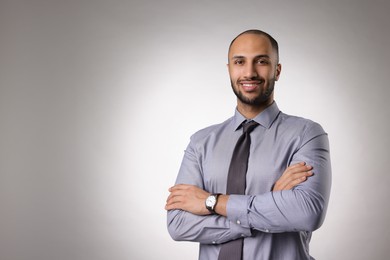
[{"x": 260, "y": 99}]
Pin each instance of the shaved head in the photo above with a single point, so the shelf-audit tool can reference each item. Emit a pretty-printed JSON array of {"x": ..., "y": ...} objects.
[{"x": 274, "y": 43}]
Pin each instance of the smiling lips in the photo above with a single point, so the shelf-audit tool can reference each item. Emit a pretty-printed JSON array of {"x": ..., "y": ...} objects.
[{"x": 250, "y": 86}]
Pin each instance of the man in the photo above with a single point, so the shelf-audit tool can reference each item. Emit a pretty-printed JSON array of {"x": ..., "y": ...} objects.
[{"x": 288, "y": 173}]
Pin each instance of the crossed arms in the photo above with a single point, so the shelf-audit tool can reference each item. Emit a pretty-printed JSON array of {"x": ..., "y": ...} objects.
[
  {"x": 297, "y": 202},
  {"x": 192, "y": 199}
]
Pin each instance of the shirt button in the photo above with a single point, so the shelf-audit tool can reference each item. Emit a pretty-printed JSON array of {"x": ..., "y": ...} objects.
[{"x": 238, "y": 222}]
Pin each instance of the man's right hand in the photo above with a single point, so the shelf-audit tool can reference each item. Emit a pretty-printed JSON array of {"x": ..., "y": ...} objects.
[{"x": 292, "y": 176}]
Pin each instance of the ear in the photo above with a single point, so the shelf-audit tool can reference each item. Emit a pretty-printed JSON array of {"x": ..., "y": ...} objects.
[
  {"x": 278, "y": 71},
  {"x": 228, "y": 67}
]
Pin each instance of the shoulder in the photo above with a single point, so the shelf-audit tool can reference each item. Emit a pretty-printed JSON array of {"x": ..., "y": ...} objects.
[
  {"x": 302, "y": 125},
  {"x": 211, "y": 131}
]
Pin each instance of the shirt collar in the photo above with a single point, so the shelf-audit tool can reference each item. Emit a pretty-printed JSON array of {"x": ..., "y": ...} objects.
[{"x": 264, "y": 118}]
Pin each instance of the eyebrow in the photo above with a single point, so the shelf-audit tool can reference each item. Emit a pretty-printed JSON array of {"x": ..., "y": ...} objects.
[{"x": 256, "y": 57}]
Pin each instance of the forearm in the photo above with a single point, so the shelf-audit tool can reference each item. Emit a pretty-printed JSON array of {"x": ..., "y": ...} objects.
[
  {"x": 291, "y": 177},
  {"x": 276, "y": 212},
  {"x": 210, "y": 229},
  {"x": 186, "y": 226},
  {"x": 302, "y": 208}
]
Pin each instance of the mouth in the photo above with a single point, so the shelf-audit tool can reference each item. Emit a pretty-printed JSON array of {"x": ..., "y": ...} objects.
[{"x": 249, "y": 86}]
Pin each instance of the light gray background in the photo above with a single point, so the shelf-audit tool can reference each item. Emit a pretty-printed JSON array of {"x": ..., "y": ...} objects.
[{"x": 98, "y": 100}]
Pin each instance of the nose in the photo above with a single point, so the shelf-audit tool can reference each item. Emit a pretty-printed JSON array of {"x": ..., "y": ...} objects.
[{"x": 250, "y": 71}]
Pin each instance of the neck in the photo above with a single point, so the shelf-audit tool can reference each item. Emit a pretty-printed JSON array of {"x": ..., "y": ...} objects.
[{"x": 251, "y": 111}]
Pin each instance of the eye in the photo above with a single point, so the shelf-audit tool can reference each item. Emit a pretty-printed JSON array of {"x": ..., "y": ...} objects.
[
  {"x": 238, "y": 62},
  {"x": 262, "y": 61}
]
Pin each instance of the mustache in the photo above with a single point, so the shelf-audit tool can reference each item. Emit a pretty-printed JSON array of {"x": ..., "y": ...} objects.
[{"x": 258, "y": 79}]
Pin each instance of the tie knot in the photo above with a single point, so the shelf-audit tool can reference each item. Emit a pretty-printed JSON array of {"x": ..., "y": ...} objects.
[{"x": 249, "y": 126}]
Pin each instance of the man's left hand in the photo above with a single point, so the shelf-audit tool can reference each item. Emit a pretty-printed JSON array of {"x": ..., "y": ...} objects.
[{"x": 188, "y": 198}]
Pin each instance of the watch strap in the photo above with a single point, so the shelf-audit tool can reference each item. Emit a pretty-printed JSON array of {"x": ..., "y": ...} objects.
[{"x": 212, "y": 208}]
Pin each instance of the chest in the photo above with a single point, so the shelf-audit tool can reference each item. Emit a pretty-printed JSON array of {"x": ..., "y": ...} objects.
[{"x": 269, "y": 157}]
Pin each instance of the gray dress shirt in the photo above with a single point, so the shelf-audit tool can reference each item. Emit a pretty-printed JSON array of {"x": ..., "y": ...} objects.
[{"x": 274, "y": 225}]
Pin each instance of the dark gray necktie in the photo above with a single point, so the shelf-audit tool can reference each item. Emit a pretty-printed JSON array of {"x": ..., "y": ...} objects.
[{"x": 236, "y": 184}]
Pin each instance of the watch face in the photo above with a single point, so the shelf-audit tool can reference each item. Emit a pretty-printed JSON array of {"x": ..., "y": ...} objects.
[{"x": 210, "y": 201}]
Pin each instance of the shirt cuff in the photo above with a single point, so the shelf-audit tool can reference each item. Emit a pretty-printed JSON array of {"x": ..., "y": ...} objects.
[{"x": 237, "y": 210}]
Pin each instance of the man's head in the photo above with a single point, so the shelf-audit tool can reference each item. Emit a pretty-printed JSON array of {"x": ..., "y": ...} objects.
[
  {"x": 253, "y": 63},
  {"x": 274, "y": 43}
]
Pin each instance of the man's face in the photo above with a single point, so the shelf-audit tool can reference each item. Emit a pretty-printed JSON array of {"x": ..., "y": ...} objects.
[{"x": 253, "y": 69}]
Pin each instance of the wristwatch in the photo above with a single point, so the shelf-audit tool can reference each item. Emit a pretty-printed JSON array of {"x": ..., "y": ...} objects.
[{"x": 211, "y": 201}]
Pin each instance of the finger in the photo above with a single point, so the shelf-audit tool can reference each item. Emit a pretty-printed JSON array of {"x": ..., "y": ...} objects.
[
  {"x": 170, "y": 197},
  {"x": 289, "y": 174},
  {"x": 174, "y": 199},
  {"x": 298, "y": 175},
  {"x": 171, "y": 206},
  {"x": 297, "y": 181},
  {"x": 288, "y": 179},
  {"x": 175, "y": 187},
  {"x": 298, "y": 168},
  {"x": 176, "y": 193},
  {"x": 297, "y": 164},
  {"x": 180, "y": 187},
  {"x": 178, "y": 201}
]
